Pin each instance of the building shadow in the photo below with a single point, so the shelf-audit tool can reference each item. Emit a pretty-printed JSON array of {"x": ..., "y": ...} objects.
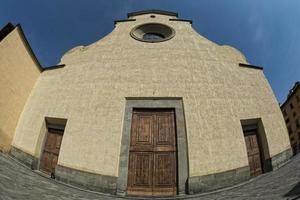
[{"x": 295, "y": 192}]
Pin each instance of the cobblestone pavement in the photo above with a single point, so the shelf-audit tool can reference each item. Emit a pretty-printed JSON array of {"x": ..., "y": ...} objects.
[{"x": 19, "y": 182}]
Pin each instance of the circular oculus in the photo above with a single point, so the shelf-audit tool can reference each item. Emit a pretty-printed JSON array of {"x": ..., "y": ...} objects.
[{"x": 152, "y": 32}]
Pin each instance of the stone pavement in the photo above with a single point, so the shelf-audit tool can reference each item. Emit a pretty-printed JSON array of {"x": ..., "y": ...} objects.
[{"x": 19, "y": 182}]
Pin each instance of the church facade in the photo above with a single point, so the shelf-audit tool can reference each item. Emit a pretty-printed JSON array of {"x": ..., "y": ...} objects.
[{"x": 154, "y": 109}]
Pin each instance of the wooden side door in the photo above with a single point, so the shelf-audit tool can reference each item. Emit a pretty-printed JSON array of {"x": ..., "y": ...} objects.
[
  {"x": 51, "y": 150},
  {"x": 253, "y": 151},
  {"x": 152, "y": 169}
]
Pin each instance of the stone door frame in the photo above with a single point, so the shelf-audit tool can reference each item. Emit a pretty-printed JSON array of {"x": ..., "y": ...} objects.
[
  {"x": 262, "y": 141},
  {"x": 182, "y": 153}
]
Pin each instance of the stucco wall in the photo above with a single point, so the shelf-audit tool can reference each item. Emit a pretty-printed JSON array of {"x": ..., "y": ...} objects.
[
  {"x": 90, "y": 92},
  {"x": 19, "y": 73},
  {"x": 292, "y": 114}
]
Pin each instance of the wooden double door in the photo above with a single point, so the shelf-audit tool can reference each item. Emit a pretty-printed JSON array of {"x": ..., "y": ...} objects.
[
  {"x": 51, "y": 150},
  {"x": 254, "y": 152},
  {"x": 152, "y": 169}
]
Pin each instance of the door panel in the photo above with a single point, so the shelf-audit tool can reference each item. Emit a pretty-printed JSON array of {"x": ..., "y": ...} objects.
[
  {"x": 141, "y": 172},
  {"x": 152, "y": 166},
  {"x": 164, "y": 169},
  {"x": 142, "y": 132},
  {"x": 165, "y": 132},
  {"x": 253, "y": 152},
  {"x": 46, "y": 162}
]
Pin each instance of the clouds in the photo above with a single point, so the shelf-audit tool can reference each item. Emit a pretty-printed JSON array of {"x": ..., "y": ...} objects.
[
  {"x": 256, "y": 23},
  {"x": 259, "y": 33}
]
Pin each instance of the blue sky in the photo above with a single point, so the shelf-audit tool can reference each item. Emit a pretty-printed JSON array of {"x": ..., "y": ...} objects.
[{"x": 267, "y": 32}]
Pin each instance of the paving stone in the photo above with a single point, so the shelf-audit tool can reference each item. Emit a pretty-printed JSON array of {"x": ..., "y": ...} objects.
[{"x": 19, "y": 182}]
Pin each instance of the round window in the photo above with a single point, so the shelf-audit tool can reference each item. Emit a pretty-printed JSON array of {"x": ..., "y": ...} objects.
[
  {"x": 152, "y": 32},
  {"x": 153, "y": 36}
]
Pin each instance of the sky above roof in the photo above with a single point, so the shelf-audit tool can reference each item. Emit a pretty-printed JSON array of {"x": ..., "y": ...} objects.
[{"x": 266, "y": 32}]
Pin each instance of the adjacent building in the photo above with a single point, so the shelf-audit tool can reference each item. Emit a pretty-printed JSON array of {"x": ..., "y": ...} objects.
[
  {"x": 152, "y": 109},
  {"x": 19, "y": 71},
  {"x": 291, "y": 112}
]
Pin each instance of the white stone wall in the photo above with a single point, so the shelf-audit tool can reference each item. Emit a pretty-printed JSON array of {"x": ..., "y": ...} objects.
[{"x": 90, "y": 92}]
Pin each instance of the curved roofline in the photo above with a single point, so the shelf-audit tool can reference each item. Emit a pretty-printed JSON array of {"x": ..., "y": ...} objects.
[
  {"x": 6, "y": 30},
  {"x": 29, "y": 47},
  {"x": 291, "y": 93},
  {"x": 161, "y": 12}
]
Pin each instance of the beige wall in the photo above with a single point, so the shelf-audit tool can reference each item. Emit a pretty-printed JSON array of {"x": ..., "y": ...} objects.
[
  {"x": 291, "y": 118},
  {"x": 18, "y": 74},
  {"x": 90, "y": 92}
]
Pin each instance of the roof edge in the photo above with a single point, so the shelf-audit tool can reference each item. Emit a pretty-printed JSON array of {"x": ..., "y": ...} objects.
[
  {"x": 182, "y": 20},
  {"x": 54, "y": 67},
  {"x": 29, "y": 47},
  {"x": 161, "y": 12},
  {"x": 291, "y": 93},
  {"x": 124, "y": 20},
  {"x": 250, "y": 66},
  {"x": 6, "y": 30}
]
